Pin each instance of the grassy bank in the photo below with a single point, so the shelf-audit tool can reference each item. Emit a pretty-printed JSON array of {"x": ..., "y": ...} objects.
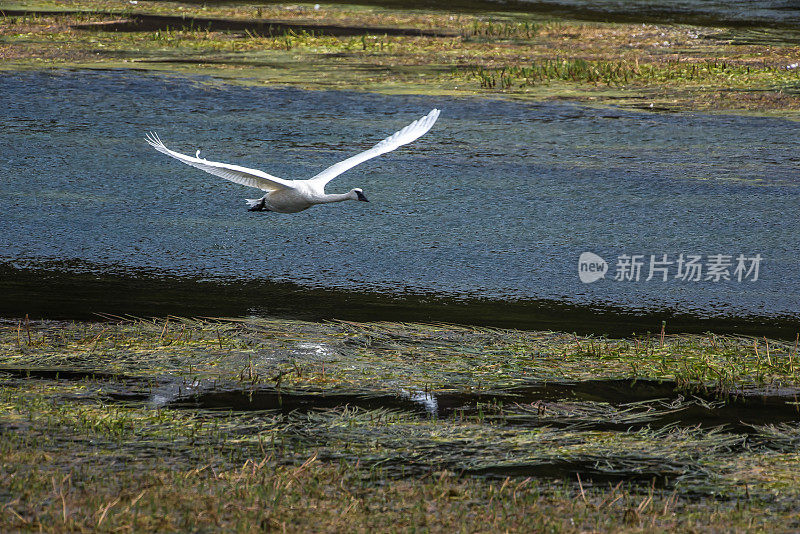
[
  {"x": 286, "y": 425},
  {"x": 405, "y": 51}
]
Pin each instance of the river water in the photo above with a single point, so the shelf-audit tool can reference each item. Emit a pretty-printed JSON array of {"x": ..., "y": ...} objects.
[{"x": 495, "y": 204}]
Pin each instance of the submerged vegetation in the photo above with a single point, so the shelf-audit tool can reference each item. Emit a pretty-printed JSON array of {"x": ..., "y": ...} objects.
[
  {"x": 258, "y": 424},
  {"x": 415, "y": 51}
]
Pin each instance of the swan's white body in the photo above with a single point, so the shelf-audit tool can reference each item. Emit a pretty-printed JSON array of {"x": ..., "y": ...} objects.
[{"x": 291, "y": 196}]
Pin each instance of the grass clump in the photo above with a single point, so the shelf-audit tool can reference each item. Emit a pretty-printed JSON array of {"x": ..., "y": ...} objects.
[{"x": 622, "y": 73}]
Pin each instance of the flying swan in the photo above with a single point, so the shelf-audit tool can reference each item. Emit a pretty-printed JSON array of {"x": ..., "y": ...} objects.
[{"x": 291, "y": 196}]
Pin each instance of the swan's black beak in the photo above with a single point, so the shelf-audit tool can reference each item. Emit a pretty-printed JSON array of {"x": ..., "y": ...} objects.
[{"x": 361, "y": 196}]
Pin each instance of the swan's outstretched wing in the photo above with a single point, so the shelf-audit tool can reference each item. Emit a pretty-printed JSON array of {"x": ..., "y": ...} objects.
[
  {"x": 413, "y": 131},
  {"x": 234, "y": 173}
]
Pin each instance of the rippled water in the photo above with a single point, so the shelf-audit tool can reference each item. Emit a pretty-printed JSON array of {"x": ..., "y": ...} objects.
[{"x": 496, "y": 202}]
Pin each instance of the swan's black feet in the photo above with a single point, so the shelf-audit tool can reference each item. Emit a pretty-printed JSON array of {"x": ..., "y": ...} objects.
[{"x": 261, "y": 206}]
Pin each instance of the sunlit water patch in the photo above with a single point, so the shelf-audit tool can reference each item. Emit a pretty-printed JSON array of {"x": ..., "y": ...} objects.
[{"x": 497, "y": 202}]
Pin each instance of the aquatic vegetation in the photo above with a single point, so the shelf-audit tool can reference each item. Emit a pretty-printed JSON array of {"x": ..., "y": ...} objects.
[
  {"x": 276, "y": 422},
  {"x": 394, "y": 50},
  {"x": 621, "y": 73}
]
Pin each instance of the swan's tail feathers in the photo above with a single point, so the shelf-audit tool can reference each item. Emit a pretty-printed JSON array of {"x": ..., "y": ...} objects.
[{"x": 252, "y": 202}]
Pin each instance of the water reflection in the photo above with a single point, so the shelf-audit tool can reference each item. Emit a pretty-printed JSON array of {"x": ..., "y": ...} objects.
[
  {"x": 423, "y": 398},
  {"x": 168, "y": 392}
]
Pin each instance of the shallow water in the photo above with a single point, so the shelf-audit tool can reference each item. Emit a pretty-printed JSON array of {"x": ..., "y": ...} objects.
[{"x": 496, "y": 202}]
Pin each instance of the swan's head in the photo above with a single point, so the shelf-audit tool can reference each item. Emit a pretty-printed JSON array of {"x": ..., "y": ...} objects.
[{"x": 358, "y": 194}]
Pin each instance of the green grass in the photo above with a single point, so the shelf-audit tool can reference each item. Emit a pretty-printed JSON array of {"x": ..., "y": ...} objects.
[
  {"x": 500, "y": 54},
  {"x": 622, "y": 73},
  {"x": 189, "y": 424}
]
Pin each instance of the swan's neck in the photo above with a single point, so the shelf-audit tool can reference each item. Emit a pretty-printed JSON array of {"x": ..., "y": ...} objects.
[{"x": 325, "y": 199}]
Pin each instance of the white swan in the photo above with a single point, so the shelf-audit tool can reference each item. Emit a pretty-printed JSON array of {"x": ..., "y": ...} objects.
[{"x": 291, "y": 196}]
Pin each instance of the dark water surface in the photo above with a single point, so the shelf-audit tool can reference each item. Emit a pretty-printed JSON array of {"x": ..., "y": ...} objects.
[
  {"x": 743, "y": 13},
  {"x": 732, "y": 13},
  {"x": 484, "y": 216}
]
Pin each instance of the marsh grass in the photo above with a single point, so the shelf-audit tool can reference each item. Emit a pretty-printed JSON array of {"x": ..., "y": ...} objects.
[
  {"x": 622, "y": 73},
  {"x": 325, "y": 497},
  {"x": 519, "y": 30},
  {"x": 390, "y": 50},
  {"x": 273, "y": 424}
]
